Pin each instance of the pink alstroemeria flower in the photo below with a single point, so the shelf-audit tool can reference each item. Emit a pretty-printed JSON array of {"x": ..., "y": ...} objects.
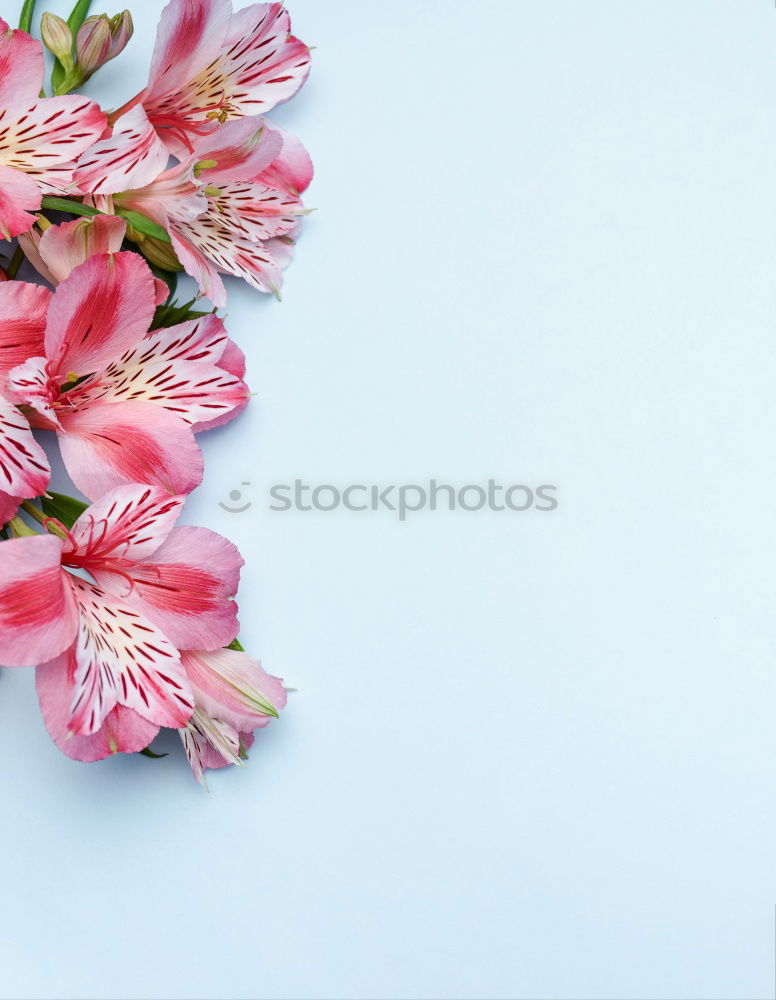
[
  {"x": 233, "y": 696},
  {"x": 112, "y": 642},
  {"x": 39, "y": 137},
  {"x": 24, "y": 468},
  {"x": 55, "y": 251},
  {"x": 210, "y": 65},
  {"x": 125, "y": 403},
  {"x": 233, "y": 206}
]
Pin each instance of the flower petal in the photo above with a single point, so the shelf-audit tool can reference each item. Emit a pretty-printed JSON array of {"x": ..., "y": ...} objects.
[
  {"x": 23, "y": 308},
  {"x": 131, "y": 157},
  {"x": 24, "y": 468},
  {"x": 265, "y": 63},
  {"x": 38, "y": 134},
  {"x": 122, "y": 731},
  {"x": 234, "y": 688},
  {"x": 122, "y": 658},
  {"x": 21, "y": 65},
  {"x": 19, "y": 196},
  {"x": 254, "y": 211},
  {"x": 112, "y": 444},
  {"x": 38, "y": 617},
  {"x": 291, "y": 170},
  {"x": 129, "y": 522},
  {"x": 65, "y": 247},
  {"x": 103, "y": 308},
  {"x": 186, "y": 587},
  {"x": 241, "y": 149},
  {"x": 190, "y": 36},
  {"x": 208, "y": 237}
]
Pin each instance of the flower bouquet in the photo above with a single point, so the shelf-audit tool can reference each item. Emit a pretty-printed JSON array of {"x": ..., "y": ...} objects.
[{"x": 129, "y": 619}]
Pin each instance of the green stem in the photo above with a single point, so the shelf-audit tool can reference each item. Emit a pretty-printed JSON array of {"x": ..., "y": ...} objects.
[
  {"x": 25, "y": 18},
  {"x": 19, "y": 529},
  {"x": 33, "y": 511},
  {"x": 15, "y": 263}
]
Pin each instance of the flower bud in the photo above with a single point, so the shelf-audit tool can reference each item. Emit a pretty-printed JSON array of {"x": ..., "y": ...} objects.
[
  {"x": 158, "y": 253},
  {"x": 102, "y": 38},
  {"x": 93, "y": 44},
  {"x": 58, "y": 38}
]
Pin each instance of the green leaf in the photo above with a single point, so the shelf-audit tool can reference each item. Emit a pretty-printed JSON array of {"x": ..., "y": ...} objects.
[
  {"x": 171, "y": 314},
  {"x": 77, "y": 17},
  {"x": 235, "y": 644},
  {"x": 68, "y": 205},
  {"x": 148, "y": 752},
  {"x": 144, "y": 225},
  {"x": 64, "y": 508},
  {"x": 25, "y": 18}
]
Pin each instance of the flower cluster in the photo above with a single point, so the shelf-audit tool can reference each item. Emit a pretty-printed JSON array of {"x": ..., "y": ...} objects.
[{"x": 129, "y": 618}]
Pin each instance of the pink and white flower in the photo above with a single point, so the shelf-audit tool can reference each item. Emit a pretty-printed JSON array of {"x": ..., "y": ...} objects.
[
  {"x": 211, "y": 65},
  {"x": 233, "y": 696},
  {"x": 125, "y": 403},
  {"x": 113, "y": 640},
  {"x": 40, "y": 138},
  {"x": 233, "y": 206}
]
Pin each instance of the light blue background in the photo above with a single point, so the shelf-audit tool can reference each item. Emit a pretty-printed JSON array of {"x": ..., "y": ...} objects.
[{"x": 530, "y": 755}]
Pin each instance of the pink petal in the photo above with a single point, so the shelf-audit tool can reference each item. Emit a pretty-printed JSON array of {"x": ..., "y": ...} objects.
[
  {"x": 203, "y": 339},
  {"x": 122, "y": 731},
  {"x": 253, "y": 211},
  {"x": 32, "y": 385},
  {"x": 65, "y": 247},
  {"x": 189, "y": 37},
  {"x": 129, "y": 522},
  {"x": 162, "y": 292},
  {"x": 30, "y": 244},
  {"x": 8, "y": 506},
  {"x": 209, "y": 743},
  {"x": 291, "y": 170},
  {"x": 191, "y": 252},
  {"x": 21, "y": 65},
  {"x": 232, "y": 687},
  {"x": 19, "y": 195},
  {"x": 265, "y": 63},
  {"x": 23, "y": 310},
  {"x": 24, "y": 468},
  {"x": 241, "y": 148},
  {"x": 195, "y": 391},
  {"x": 186, "y": 588},
  {"x": 131, "y": 157},
  {"x": 122, "y": 658},
  {"x": 112, "y": 444},
  {"x": 38, "y": 617},
  {"x": 103, "y": 308},
  {"x": 224, "y": 250},
  {"x": 38, "y": 134}
]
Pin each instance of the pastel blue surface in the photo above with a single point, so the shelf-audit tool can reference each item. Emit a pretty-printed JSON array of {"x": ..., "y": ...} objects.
[{"x": 530, "y": 755}]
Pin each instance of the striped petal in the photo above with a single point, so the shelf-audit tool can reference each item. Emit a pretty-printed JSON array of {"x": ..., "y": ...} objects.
[
  {"x": 122, "y": 731},
  {"x": 186, "y": 587},
  {"x": 265, "y": 64},
  {"x": 122, "y": 658},
  {"x": 101, "y": 309},
  {"x": 24, "y": 468},
  {"x": 129, "y": 522},
  {"x": 106, "y": 445},
  {"x": 23, "y": 309},
  {"x": 39, "y": 134},
  {"x": 38, "y": 617},
  {"x": 131, "y": 157},
  {"x": 253, "y": 211}
]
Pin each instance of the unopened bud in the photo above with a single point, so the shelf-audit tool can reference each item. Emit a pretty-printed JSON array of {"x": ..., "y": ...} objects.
[
  {"x": 58, "y": 38},
  {"x": 93, "y": 44},
  {"x": 102, "y": 38},
  {"x": 160, "y": 254}
]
